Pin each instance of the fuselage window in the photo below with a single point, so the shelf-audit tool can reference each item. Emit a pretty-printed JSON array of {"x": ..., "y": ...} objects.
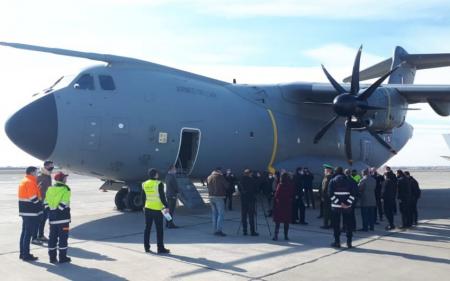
[
  {"x": 85, "y": 82},
  {"x": 107, "y": 82}
]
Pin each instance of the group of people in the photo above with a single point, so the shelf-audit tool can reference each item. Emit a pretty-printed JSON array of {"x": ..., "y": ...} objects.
[{"x": 40, "y": 200}]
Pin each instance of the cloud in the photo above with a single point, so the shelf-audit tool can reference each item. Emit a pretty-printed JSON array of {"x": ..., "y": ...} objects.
[{"x": 331, "y": 9}]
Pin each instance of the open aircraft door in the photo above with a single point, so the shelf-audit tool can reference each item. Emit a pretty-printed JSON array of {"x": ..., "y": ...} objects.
[{"x": 185, "y": 162}]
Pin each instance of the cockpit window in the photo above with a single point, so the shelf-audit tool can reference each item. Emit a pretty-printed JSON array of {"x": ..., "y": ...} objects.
[
  {"x": 85, "y": 82},
  {"x": 106, "y": 82}
]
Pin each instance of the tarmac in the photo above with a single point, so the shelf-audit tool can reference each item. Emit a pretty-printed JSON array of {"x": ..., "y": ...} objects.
[{"x": 106, "y": 244}]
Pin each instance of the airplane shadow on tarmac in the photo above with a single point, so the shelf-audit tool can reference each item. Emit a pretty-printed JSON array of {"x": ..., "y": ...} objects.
[{"x": 74, "y": 272}]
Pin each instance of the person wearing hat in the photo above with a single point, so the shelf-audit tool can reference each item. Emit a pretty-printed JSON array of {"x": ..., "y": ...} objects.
[
  {"x": 328, "y": 170},
  {"x": 57, "y": 200}
]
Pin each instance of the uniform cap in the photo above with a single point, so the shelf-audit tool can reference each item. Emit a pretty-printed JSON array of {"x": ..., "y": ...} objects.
[
  {"x": 60, "y": 176},
  {"x": 327, "y": 166}
]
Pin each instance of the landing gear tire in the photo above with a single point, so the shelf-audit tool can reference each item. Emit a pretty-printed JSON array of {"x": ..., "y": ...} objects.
[
  {"x": 120, "y": 199},
  {"x": 133, "y": 201}
]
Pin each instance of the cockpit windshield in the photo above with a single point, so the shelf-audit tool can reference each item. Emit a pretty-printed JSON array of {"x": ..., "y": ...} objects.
[{"x": 60, "y": 83}]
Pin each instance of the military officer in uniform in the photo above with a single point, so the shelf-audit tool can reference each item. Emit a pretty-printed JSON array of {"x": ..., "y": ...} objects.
[{"x": 324, "y": 196}]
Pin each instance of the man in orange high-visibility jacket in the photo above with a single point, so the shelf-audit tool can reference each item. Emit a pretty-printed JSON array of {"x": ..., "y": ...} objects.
[{"x": 30, "y": 207}]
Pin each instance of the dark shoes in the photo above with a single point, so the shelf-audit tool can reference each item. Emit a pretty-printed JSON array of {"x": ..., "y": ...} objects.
[
  {"x": 294, "y": 222},
  {"x": 30, "y": 258},
  {"x": 286, "y": 237},
  {"x": 173, "y": 226},
  {"x": 325, "y": 227},
  {"x": 303, "y": 223},
  {"x": 163, "y": 251},
  {"x": 220, "y": 233},
  {"x": 403, "y": 227},
  {"x": 376, "y": 222},
  {"x": 245, "y": 233},
  {"x": 319, "y": 217},
  {"x": 336, "y": 244},
  {"x": 390, "y": 227},
  {"x": 230, "y": 209},
  {"x": 275, "y": 238},
  {"x": 363, "y": 229},
  {"x": 371, "y": 229},
  {"x": 53, "y": 260},
  {"x": 65, "y": 259},
  {"x": 148, "y": 250},
  {"x": 349, "y": 244},
  {"x": 254, "y": 234}
]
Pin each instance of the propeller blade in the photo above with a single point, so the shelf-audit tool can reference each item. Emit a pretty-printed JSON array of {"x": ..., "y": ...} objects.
[
  {"x": 333, "y": 82},
  {"x": 379, "y": 139},
  {"x": 355, "y": 74},
  {"x": 322, "y": 131},
  {"x": 317, "y": 103},
  {"x": 348, "y": 142},
  {"x": 367, "y": 93}
]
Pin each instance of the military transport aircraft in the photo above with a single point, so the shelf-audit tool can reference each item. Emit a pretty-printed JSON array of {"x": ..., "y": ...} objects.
[{"x": 116, "y": 120}]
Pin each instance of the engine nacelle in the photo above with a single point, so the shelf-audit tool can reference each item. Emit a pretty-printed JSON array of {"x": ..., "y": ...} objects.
[{"x": 385, "y": 120}]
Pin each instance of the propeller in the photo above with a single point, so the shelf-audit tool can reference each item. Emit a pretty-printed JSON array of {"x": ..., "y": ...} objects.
[{"x": 352, "y": 104}]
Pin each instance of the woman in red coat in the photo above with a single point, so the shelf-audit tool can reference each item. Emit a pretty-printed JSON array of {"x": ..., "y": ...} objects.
[{"x": 283, "y": 198}]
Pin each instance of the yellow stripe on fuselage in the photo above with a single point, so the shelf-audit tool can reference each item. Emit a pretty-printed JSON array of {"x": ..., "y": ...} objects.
[{"x": 275, "y": 142}]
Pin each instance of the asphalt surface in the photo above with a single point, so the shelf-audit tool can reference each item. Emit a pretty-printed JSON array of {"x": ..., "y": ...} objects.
[{"x": 106, "y": 244}]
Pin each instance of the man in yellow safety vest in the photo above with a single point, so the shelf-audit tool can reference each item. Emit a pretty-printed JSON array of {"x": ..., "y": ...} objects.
[{"x": 155, "y": 201}]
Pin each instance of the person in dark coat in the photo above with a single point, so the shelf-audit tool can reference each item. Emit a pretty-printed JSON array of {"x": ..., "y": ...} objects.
[
  {"x": 415, "y": 195},
  {"x": 404, "y": 198},
  {"x": 298, "y": 206},
  {"x": 388, "y": 196},
  {"x": 247, "y": 188},
  {"x": 282, "y": 212},
  {"x": 231, "y": 179},
  {"x": 394, "y": 178},
  {"x": 308, "y": 179},
  {"x": 379, "y": 180},
  {"x": 342, "y": 195},
  {"x": 328, "y": 170},
  {"x": 171, "y": 194}
]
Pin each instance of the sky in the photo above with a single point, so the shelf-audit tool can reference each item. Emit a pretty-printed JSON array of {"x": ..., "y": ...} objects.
[{"x": 252, "y": 41}]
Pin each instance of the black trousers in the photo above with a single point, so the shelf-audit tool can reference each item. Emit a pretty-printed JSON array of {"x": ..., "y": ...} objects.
[
  {"x": 277, "y": 228},
  {"x": 326, "y": 212},
  {"x": 150, "y": 216},
  {"x": 248, "y": 210},
  {"x": 336, "y": 222},
  {"x": 414, "y": 212},
  {"x": 59, "y": 234},
  {"x": 378, "y": 210},
  {"x": 229, "y": 198},
  {"x": 309, "y": 195},
  {"x": 405, "y": 209},
  {"x": 172, "y": 205},
  {"x": 389, "y": 211},
  {"x": 298, "y": 210}
]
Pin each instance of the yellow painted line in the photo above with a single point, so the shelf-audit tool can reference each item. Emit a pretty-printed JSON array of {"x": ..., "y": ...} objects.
[{"x": 275, "y": 142}]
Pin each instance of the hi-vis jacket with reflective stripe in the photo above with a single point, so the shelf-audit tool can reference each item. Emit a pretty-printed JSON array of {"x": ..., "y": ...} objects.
[
  {"x": 57, "y": 200},
  {"x": 340, "y": 190},
  {"x": 153, "y": 200},
  {"x": 30, "y": 204}
]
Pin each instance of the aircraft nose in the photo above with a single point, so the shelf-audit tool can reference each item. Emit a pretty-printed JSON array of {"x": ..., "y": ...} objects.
[{"x": 34, "y": 128}]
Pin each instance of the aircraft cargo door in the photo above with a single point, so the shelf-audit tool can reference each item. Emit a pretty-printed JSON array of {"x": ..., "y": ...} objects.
[{"x": 188, "y": 150}]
